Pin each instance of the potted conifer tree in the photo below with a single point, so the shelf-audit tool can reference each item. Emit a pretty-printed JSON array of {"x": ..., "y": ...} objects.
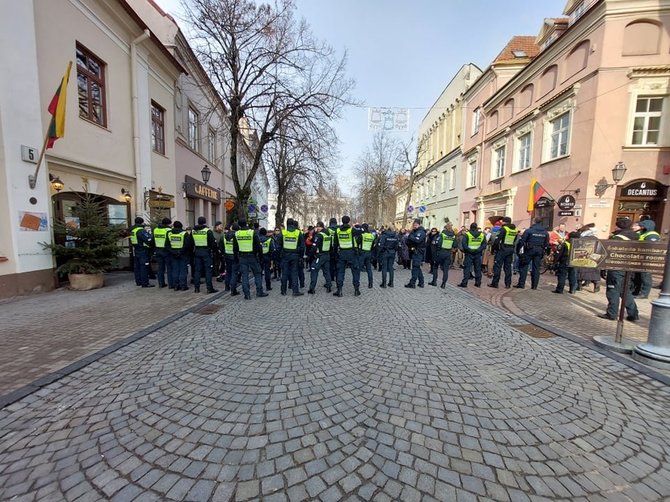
[{"x": 86, "y": 245}]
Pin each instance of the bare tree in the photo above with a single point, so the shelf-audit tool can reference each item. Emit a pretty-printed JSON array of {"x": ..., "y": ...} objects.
[
  {"x": 376, "y": 169},
  {"x": 268, "y": 69},
  {"x": 411, "y": 158}
]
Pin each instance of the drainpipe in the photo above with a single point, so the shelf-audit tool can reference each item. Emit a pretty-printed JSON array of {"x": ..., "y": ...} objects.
[{"x": 139, "y": 189}]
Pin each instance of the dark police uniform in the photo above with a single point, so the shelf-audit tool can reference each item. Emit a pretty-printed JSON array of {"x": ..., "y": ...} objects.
[
  {"x": 615, "y": 282},
  {"x": 535, "y": 242},
  {"x": 473, "y": 245},
  {"x": 643, "y": 279},
  {"x": 267, "y": 243},
  {"x": 319, "y": 254},
  {"x": 442, "y": 244},
  {"x": 232, "y": 263},
  {"x": 365, "y": 256},
  {"x": 163, "y": 255},
  {"x": 247, "y": 247},
  {"x": 416, "y": 244},
  {"x": 142, "y": 244},
  {"x": 387, "y": 246},
  {"x": 503, "y": 247},
  {"x": 180, "y": 246},
  {"x": 348, "y": 241},
  {"x": 292, "y": 245},
  {"x": 204, "y": 245}
]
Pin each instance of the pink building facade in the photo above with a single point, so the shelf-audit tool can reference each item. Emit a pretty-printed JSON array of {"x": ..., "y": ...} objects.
[{"x": 595, "y": 95}]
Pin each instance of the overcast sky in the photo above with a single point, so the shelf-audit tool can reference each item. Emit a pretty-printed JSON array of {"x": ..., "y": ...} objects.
[{"x": 403, "y": 53}]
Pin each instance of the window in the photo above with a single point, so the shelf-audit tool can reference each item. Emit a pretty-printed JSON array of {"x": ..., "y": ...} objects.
[
  {"x": 577, "y": 12},
  {"x": 476, "y": 118},
  {"x": 524, "y": 149},
  {"x": 193, "y": 138},
  {"x": 157, "y": 128},
  {"x": 211, "y": 146},
  {"x": 471, "y": 178},
  {"x": 91, "y": 87},
  {"x": 647, "y": 120},
  {"x": 452, "y": 178},
  {"x": 559, "y": 136},
  {"x": 498, "y": 167},
  {"x": 443, "y": 185}
]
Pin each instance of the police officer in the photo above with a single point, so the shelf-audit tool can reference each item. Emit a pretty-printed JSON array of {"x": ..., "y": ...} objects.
[
  {"x": 142, "y": 244},
  {"x": 503, "y": 248},
  {"x": 442, "y": 244},
  {"x": 247, "y": 247},
  {"x": 163, "y": 255},
  {"x": 292, "y": 246},
  {"x": 535, "y": 242},
  {"x": 205, "y": 245},
  {"x": 473, "y": 246},
  {"x": 615, "y": 279},
  {"x": 416, "y": 243},
  {"x": 347, "y": 241},
  {"x": 232, "y": 265},
  {"x": 565, "y": 271},
  {"x": 180, "y": 245},
  {"x": 319, "y": 257},
  {"x": 332, "y": 230},
  {"x": 646, "y": 229},
  {"x": 219, "y": 263},
  {"x": 365, "y": 256},
  {"x": 387, "y": 246},
  {"x": 267, "y": 243}
]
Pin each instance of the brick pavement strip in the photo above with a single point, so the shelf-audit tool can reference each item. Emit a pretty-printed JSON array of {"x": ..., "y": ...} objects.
[{"x": 395, "y": 395}]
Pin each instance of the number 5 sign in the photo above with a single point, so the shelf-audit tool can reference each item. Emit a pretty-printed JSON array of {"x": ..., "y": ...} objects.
[{"x": 29, "y": 154}]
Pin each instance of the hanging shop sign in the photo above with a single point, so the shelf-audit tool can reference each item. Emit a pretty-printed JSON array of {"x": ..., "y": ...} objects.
[
  {"x": 544, "y": 202},
  {"x": 567, "y": 202},
  {"x": 198, "y": 190},
  {"x": 647, "y": 189}
]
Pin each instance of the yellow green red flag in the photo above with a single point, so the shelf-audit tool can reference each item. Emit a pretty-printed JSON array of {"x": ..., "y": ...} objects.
[
  {"x": 536, "y": 191},
  {"x": 57, "y": 110}
]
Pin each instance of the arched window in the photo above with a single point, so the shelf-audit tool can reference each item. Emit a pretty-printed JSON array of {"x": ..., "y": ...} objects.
[
  {"x": 508, "y": 110},
  {"x": 642, "y": 38},
  {"x": 493, "y": 121},
  {"x": 526, "y": 97},
  {"x": 548, "y": 80},
  {"x": 578, "y": 58}
]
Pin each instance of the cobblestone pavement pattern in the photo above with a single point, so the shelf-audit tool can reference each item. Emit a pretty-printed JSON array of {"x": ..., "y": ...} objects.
[{"x": 395, "y": 395}]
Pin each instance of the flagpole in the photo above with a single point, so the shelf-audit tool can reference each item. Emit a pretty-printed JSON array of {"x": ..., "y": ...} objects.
[{"x": 32, "y": 178}]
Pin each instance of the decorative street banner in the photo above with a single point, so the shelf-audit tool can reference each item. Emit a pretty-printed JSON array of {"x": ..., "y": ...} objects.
[
  {"x": 614, "y": 254},
  {"x": 388, "y": 119}
]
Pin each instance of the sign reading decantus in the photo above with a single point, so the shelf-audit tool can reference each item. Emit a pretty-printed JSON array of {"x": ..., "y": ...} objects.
[
  {"x": 614, "y": 254},
  {"x": 199, "y": 190},
  {"x": 646, "y": 190}
]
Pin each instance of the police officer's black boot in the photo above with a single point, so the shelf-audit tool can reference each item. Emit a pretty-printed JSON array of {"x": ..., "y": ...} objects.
[
  {"x": 383, "y": 285},
  {"x": 443, "y": 285},
  {"x": 328, "y": 289},
  {"x": 390, "y": 284},
  {"x": 338, "y": 292},
  {"x": 357, "y": 292},
  {"x": 234, "y": 292},
  {"x": 369, "y": 285},
  {"x": 310, "y": 291},
  {"x": 432, "y": 283}
]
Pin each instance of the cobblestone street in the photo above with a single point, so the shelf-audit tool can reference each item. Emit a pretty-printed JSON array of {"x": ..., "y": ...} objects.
[{"x": 399, "y": 394}]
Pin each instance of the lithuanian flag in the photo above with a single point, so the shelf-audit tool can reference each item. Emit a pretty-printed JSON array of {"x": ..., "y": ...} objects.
[
  {"x": 536, "y": 191},
  {"x": 57, "y": 110}
]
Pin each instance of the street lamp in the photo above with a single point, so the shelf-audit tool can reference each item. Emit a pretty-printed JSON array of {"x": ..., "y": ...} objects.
[
  {"x": 56, "y": 183},
  {"x": 618, "y": 172},
  {"x": 206, "y": 173}
]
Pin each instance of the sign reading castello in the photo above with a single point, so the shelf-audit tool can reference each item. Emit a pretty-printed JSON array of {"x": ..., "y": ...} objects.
[
  {"x": 198, "y": 190},
  {"x": 643, "y": 190}
]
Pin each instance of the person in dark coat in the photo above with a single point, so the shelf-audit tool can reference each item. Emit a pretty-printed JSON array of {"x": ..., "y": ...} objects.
[
  {"x": 387, "y": 245},
  {"x": 416, "y": 244},
  {"x": 535, "y": 242},
  {"x": 565, "y": 271},
  {"x": 616, "y": 278},
  {"x": 442, "y": 244}
]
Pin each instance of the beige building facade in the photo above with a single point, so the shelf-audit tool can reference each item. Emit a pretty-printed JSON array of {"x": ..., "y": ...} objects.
[{"x": 119, "y": 71}]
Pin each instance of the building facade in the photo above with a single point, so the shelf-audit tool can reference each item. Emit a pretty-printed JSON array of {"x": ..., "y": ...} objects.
[
  {"x": 595, "y": 95},
  {"x": 119, "y": 70}
]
